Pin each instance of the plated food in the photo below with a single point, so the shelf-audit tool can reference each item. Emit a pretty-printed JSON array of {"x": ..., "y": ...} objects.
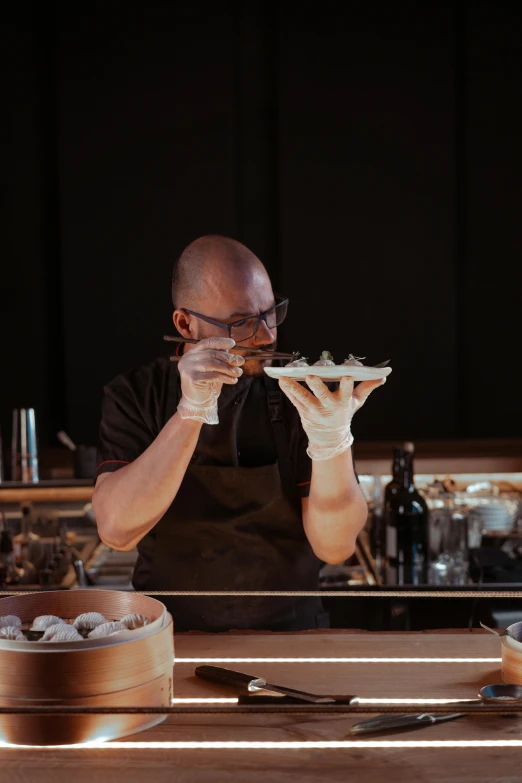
[
  {"x": 50, "y": 628},
  {"x": 325, "y": 360},
  {"x": 44, "y": 622},
  {"x": 326, "y": 369},
  {"x": 89, "y": 620},
  {"x": 12, "y": 632},
  {"x": 61, "y": 632},
  {"x": 9, "y": 620},
  {"x": 107, "y": 629},
  {"x": 134, "y": 620}
]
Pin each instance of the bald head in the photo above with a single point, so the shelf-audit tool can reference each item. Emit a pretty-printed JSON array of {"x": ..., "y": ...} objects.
[
  {"x": 223, "y": 283},
  {"x": 210, "y": 267}
]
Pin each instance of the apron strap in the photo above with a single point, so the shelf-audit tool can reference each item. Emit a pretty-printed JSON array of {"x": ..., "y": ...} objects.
[
  {"x": 282, "y": 439},
  {"x": 279, "y": 428}
]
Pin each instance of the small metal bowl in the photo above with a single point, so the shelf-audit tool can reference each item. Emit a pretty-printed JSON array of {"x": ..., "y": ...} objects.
[{"x": 501, "y": 692}]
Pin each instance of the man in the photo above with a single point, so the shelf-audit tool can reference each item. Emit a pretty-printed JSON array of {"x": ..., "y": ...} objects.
[{"x": 222, "y": 482}]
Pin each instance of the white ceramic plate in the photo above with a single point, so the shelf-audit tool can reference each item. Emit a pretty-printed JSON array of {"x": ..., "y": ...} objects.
[{"x": 329, "y": 373}]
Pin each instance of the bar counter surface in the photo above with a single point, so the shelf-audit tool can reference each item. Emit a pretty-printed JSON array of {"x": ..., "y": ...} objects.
[{"x": 443, "y": 665}]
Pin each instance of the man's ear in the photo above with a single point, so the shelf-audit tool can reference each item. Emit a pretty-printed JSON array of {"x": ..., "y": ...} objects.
[{"x": 182, "y": 321}]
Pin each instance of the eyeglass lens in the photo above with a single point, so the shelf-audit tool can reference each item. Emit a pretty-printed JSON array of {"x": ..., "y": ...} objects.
[{"x": 248, "y": 327}]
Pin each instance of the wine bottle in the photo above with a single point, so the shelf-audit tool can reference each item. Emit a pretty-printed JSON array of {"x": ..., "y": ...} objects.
[
  {"x": 397, "y": 467},
  {"x": 376, "y": 526},
  {"x": 407, "y": 531},
  {"x": 378, "y": 511}
]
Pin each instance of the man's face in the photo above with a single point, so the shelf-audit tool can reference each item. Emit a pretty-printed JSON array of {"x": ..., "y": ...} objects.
[{"x": 229, "y": 300}]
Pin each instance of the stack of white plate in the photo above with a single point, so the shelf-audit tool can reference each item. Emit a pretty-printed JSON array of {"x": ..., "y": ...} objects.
[{"x": 495, "y": 517}]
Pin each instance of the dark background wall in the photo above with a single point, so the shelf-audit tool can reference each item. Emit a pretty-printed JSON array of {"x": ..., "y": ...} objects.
[{"x": 370, "y": 156}]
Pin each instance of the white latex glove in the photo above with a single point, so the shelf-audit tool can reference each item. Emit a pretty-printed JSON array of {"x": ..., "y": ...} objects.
[
  {"x": 327, "y": 416},
  {"x": 203, "y": 370}
]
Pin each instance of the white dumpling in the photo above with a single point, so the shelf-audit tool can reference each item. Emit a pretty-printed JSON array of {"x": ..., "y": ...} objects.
[
  {"x": 325, "y": 360},
  {"x": 44, "y": 621},
  {"x": 61, "y": 632},
  {"x": 11, "y": 632},
  {"x": 353, "y": 361},
  {"x": 107, "y": 629},
  {"x": 89, "y": 620},
  {"x": 10, "y": 621},
  {"x": 298, "y": 363},
  {"x": 132, "y": 621}
]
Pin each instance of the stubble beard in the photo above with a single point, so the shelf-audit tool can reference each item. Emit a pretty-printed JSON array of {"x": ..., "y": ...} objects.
[{"x": 253, "y": 367}]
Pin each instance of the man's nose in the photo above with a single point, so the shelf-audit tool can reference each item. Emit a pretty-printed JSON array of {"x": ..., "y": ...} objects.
[{"x": 264, "y": 336}]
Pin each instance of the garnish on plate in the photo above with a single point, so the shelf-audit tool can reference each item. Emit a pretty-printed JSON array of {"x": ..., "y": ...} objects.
[
  {"x": 325, "y": 360},
  {"x": 353, "y": 361},
  {"x": 298, "y": 360}
]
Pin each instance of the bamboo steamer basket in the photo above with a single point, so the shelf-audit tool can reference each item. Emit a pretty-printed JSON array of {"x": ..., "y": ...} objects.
[
  {"x": 512, "y": 655},
  {"x": 131, "y": 669}
]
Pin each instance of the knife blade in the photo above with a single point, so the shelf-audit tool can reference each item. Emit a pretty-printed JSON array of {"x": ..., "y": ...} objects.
[
  {"x": 382, "y": 364},
  {"x": 252, "y": 683},
  {"x": 385, "y": 722}
]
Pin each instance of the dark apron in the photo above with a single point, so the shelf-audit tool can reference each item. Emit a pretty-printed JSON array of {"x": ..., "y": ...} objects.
[{"x": 238, "y": 529}]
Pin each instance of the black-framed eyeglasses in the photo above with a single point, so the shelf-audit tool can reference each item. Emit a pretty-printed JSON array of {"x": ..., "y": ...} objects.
[{"x": 245, "y": 328}]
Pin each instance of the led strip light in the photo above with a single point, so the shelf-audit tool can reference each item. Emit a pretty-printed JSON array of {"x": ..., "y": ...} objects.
[
  {"x": 361, "y": 701},
  {"x": 337, "y": 660},
  {"x": 321, "y": 745},
  {"x": 385, "y": 593}
]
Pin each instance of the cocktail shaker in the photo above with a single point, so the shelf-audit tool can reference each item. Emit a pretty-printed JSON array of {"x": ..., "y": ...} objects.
[{"x": 24, "y": 448}]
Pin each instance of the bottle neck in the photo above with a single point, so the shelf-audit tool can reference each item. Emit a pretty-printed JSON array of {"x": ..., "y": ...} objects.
[
  {"x": 25, "y": 525},
  {"x": 407, "y": 481},
  {"x": 397, "y": 468}
]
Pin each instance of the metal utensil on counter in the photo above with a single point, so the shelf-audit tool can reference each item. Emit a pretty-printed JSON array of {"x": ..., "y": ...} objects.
[
  {"x": 386, "y": 722},
  {"x": 498, "y": 693},
  {"x": 499, "y": 633},
  {"x": 252, "y": 683},
  {"x": 66, "y": 440},
  {"x": 84, "y": 456},
  {"x": 24, "y": 449},
  {"x": 82, "y": 577}
]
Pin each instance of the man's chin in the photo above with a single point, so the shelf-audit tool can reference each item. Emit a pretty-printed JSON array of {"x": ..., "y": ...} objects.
[{"x": 255, "y": 368}]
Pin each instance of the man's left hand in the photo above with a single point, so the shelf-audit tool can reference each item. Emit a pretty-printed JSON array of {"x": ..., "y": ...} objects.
[{"x": 327, "y": 416}]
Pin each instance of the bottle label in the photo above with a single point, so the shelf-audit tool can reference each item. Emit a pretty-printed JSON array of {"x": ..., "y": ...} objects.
[{"x": 405, "y": 547}]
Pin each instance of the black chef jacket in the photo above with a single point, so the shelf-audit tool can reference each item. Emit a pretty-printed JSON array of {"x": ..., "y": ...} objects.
[{"x": 134, "y": 412}]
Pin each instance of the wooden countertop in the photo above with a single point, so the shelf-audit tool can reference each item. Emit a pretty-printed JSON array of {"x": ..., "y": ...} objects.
[
  {"x": 42, "y": 493},
  {"x": 364, "y": 671}
]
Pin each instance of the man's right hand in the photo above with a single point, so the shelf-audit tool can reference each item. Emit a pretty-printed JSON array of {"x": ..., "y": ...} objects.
[{"x": 203, "y": 370}]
